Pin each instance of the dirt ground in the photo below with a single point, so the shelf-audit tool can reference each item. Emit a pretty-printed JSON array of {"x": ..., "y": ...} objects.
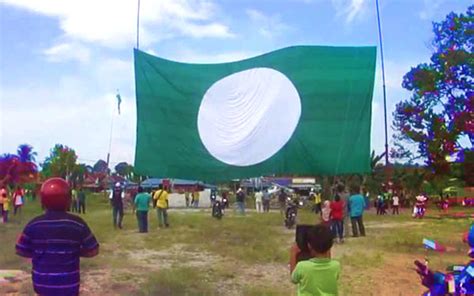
[{"x": 393, "y": 276}]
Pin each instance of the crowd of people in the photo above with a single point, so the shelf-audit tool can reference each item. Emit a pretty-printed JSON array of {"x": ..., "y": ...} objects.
[
  {"x": 12, "y": 202},
  {"x": 335, "y": 213},
  {"x": 142, "y": 202},
  {"x": 319, "y": 273},
  {"x": 385, "y": 200}
]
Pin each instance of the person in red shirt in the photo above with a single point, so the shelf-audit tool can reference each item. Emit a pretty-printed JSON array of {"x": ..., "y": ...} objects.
[{"x": 337, "y": 216}]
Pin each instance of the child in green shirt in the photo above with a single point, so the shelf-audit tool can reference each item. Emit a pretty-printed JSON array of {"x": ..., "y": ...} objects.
[{"x": 319, "y": 275}]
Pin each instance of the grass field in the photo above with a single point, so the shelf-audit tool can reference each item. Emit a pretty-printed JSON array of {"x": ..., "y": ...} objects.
[{"x": 199, "y": 255}]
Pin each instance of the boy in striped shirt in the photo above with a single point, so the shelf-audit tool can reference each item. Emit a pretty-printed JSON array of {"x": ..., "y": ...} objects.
[{"x": 55, "y": 241}]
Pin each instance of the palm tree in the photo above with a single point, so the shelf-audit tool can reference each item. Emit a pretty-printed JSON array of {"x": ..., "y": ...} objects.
[
  {"x": 373, "y": 180},
  {"x": 26, "y": 154},
  {"x": 27, "y": 166}
]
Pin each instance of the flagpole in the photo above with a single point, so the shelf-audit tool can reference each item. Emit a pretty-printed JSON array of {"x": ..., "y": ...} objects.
[
  {"x": 383, "y": 81},
  {"x": 138, "y": 25}
]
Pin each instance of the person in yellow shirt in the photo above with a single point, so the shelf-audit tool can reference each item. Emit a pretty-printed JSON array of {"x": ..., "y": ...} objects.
[
  {"x": 317, "y": 200},
  {"x": 195, "y": 198},
  {"x": 161, "y": 199},
  {"x": 6, "y": 205}
]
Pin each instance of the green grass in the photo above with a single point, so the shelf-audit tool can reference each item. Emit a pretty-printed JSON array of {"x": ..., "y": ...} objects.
[
  {"x": 178, "y": 281},
  {"x": 237, "y": 255}
]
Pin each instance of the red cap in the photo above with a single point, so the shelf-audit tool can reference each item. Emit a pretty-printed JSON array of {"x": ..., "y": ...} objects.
[{"x": 56, "y": 194}]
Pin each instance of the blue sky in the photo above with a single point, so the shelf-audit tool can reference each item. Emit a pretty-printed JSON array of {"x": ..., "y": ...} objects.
[{"x": 62, "y": 61}]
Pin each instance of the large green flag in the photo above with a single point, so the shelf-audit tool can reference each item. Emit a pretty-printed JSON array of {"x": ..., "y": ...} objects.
[{"x": 302, "y": 110}]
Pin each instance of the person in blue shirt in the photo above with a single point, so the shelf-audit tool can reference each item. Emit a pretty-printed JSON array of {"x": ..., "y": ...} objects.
[
  {"x": 356, "y": 206},
  {"x": 142, "y": 206}
]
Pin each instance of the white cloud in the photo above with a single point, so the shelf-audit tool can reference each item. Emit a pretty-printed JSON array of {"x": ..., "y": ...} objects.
[
  {"x": 350, "y": 9},
  {"x": 74, "y": 110},
  {"x": 267, "y": 26},
  {"x": 112, "y": 73},
  {"x": 80, "y": 123},
  {"x": 430, "y": 7},
  {"x": 112, "y": 23},
  {"x": 201, "y": 31},
  {"x": 394, "y": 72},
  {"x": 67, "y": 51}
]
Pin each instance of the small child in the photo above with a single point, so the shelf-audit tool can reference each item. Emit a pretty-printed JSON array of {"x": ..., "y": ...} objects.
[
  {"x": 326, "y": 213},
  {"x": 55, "y": 241},
  {"x": 320, "y": 274}
]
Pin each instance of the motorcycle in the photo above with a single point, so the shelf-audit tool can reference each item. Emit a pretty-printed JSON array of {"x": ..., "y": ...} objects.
[
  {"x": 291, "y": 212},
  {"x": 225, "y": 202},
  {"x": 419, "y": 209},
  {"x": 458, "y": 279},
  {"x": 217, "y": 209},
  {"x": 213, "y": 197}
]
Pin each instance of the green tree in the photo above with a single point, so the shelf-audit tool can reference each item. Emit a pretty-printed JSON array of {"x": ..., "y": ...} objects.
[
  {"x": 101, "y": 167},
  {"x": 78, "y": 174},
  {"x": 440, "y": 110},
  {"x": 124, "y": 169},
  {"x": 372, "y": 181},
  {"x": 60, "y": 163},
  {"x": 127, "y": 171},
  {"x": 413, "y": 182}
]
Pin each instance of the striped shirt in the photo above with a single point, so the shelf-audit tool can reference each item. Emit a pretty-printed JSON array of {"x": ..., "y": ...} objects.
[{"x": 55, "y": 241}]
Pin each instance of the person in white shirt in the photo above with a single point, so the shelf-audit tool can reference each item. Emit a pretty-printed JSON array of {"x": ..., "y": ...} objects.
[
  {"x": 259, "y": 201},
  {"x": 395, "y": 204}
]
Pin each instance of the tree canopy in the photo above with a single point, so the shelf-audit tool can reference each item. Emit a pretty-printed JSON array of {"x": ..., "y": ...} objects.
[
  {"x": 440, "y": 110},
  {"x": 18, "y": 168},
  {"x": 61, "y": 162},
  {"x": 100, "y": 167}
]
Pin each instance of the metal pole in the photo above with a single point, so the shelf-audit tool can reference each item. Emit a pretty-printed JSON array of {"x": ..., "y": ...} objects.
[
  {"x": 138, "y": 25},
  {"x": 383, "y": 80},
  {"x": 110, "y": 139}
]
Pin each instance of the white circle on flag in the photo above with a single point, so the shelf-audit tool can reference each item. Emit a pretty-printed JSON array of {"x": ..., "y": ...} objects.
[{"x": 247, "y": 117}]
